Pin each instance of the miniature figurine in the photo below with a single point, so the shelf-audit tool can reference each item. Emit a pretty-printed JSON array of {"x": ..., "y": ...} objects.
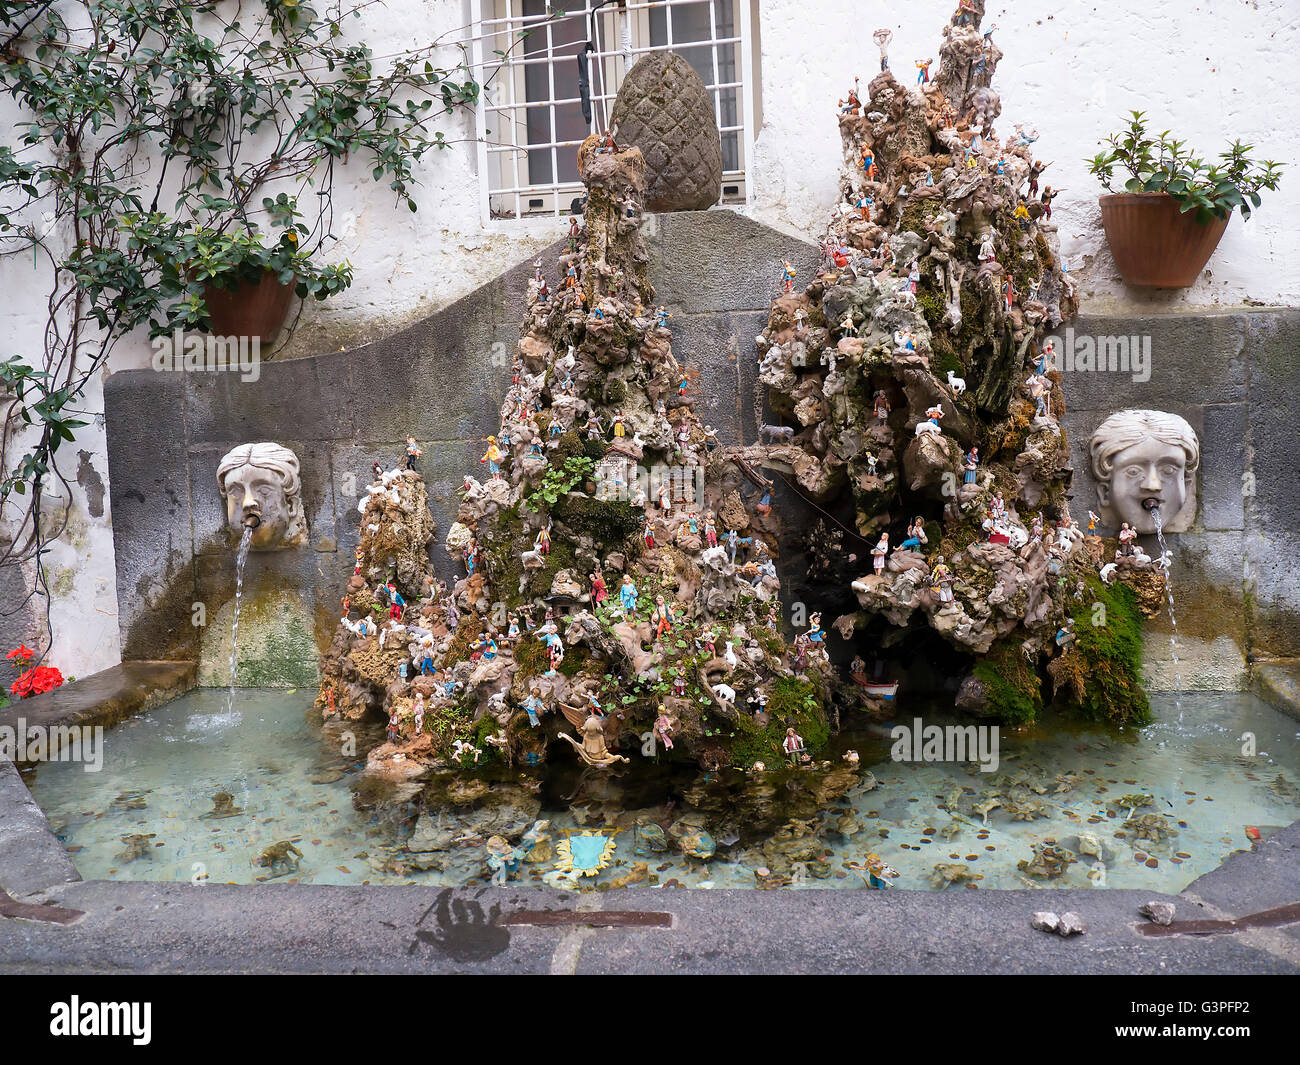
[
  {"x": 915, "y": 536},
  {"x": 867, "y": 160},
  {"x": 788, "y": 275},
  {"x": 941, "y": 580},
  {"x": 1065, "y": 635},
  {"x": 1049, "y": 194},
  {"x": 793, "y": 747},
  {"x": 923, "y": 71},
  {"x": 662, "y": 617},
  {"x": 853, "y": 104},
  {"x": 881, "y": 406},
  {"x": 879, "y": 553},
  {"x": 493, "y": 457},
  {"x": 627, "y": 595},
  {"x": 599, "y": 592},
  {"x": 664, "y": 728},
  {"x": 413, "y": 452},
  {"x": 882, "y": 37},
  {"x": 971, "y": 464},
  {"x": 534, "y": 707},
  {"x": 931, "y": 422}
]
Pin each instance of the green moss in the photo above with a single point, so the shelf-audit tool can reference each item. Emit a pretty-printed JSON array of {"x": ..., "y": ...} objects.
[
  {"x": 608, "y": 522},
  {"x": 793, "y": 704},
  {"x": 1111, "y": 653},
  {"x": 1013, "y": 688}
]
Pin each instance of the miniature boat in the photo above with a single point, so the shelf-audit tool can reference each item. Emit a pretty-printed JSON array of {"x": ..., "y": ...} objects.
[{"x": 880, "y": 691}]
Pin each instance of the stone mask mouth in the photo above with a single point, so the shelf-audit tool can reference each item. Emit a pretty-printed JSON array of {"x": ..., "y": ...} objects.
[
  {"x": 252, "y": 521},
  {"x": 1151, "y": 503}
]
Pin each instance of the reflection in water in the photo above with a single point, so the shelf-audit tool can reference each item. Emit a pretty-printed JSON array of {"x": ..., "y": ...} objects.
[{"x": 190, "y": 791}]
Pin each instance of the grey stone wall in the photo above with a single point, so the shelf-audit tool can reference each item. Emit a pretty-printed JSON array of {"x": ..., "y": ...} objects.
[
  {"x": 1233, "y": 376},
  {"x": 441, "y": 380}
]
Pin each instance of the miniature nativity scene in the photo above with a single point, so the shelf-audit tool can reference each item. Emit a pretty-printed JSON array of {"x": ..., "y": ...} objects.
[
  {"x": 620, "y": 594},
  {"x": 669, "y": 660}
]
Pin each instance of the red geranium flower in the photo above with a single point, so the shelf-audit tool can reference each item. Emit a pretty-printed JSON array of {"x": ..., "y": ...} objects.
[
  {"x": 36, "y": 681},
  {"x": 21, "y": 651}
]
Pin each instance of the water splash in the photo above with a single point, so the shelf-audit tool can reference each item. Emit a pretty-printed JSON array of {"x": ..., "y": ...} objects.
[
  {"x": 245, "y": 542},
  {"x": 1166, "y": 560}
]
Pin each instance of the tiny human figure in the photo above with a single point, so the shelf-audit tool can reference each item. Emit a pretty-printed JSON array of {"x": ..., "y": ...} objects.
[
  {"x": 419, "y": 712},
  {"x": 543, "y": 541},
  {"x": 1049, "y": 194},
  {"x": 360, "y": 556},
  {"x": 1093, "y": 518},
  {"x": 1021, "y": 215},
  {"x": 1127, "y": 537},
  {"x": 867, "y": 160},
  {"x": 649, "y": 534},
  {"x": 426, "y": 655},
  {"x": 864, "y": 204},
  {"x": 710, "y": 530},
  {"x": 879, "y": 553},
  {"x": 661, "y": 317},
  {"x": 413, "y": 452},
  {"x": 787, "y": 276},
  {"x": 662, "y": 616},
  {"x": 915, "y": 536},
  {"x": 619, "y": 421},
  {"x": 493, "y": 457},
  {"x": 793, "y": 746},
  {"x": 471, "y": 557},
  {"x": 1036, "y": 168},
  {"x": 882, "y": 37},
  {"x": 627, "y": 595},
  {"x": 941, "y": 580},
  {"x": 881, "y": 406},
  {"x": 396, "y": 604},
  {"x": 1065, "y": 634},
  {"x": 534, "y": 707},
  {"x": 853, "y": 104},
  {"x": 663, "y": 729},
  {"x": 394, "y": 733},
  {"x": 971, "y": 464},
  {"x": 599, "y": 591},
  {"x": 923, "y": 71},
  {"x": 574, "y": 233}
]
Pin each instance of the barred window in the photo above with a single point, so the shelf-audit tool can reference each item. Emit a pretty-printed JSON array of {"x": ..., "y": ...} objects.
[{"x": 530, "y": 119}]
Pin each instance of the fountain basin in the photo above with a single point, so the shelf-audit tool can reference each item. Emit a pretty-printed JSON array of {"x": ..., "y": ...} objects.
[{"x": 291, "y": 782}]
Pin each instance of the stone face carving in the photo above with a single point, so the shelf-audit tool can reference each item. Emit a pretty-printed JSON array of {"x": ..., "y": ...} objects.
[
  {"x": 664, "y": 109},
  {"x": 1140, "y": 455},
  {"x": 260, "y": 484}
]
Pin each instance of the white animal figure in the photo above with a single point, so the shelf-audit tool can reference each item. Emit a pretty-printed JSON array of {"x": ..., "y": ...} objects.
[
  {"x": 462, "y": 748},
  {"x": 730, "y": 656},
  {"x": 1107, "y": 573},
  {"x": 725, "y": 692},
  {"x": 928, "y": 426},
  {"x": 957, "y": 384}
]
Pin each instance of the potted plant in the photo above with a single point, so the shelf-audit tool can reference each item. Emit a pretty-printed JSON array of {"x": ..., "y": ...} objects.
[
  {"x": 232, "y": 282},
  {"x": 1174, "y": 208}
]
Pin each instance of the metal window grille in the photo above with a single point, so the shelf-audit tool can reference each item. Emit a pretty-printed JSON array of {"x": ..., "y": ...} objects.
[{"x": 530, "y": 116}]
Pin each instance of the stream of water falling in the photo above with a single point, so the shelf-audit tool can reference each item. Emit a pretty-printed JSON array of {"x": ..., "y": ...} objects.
[
  {"x": 245, "y": 542},
  {"x": 1167, "y": 560}
]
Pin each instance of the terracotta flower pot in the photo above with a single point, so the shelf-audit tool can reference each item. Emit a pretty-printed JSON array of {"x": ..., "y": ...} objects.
[
  {"x": 251, "y": 309},
  {"x": 1156, "y": 244}
]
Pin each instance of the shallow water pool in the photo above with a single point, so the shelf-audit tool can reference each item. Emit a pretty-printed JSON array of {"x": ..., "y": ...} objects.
[{"x": 150, "y": 813}]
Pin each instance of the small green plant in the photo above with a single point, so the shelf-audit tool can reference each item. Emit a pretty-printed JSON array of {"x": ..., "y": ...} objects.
[
  {"x": 1158, "y": 163},
  {"x": 559, "y": 481}
]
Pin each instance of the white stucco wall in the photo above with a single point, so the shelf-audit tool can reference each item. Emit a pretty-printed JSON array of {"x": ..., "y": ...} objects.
[{"x": 1072, "y": 68}]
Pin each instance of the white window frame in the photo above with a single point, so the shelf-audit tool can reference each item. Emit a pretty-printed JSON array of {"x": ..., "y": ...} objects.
[{"x": 505, "y": 192}]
